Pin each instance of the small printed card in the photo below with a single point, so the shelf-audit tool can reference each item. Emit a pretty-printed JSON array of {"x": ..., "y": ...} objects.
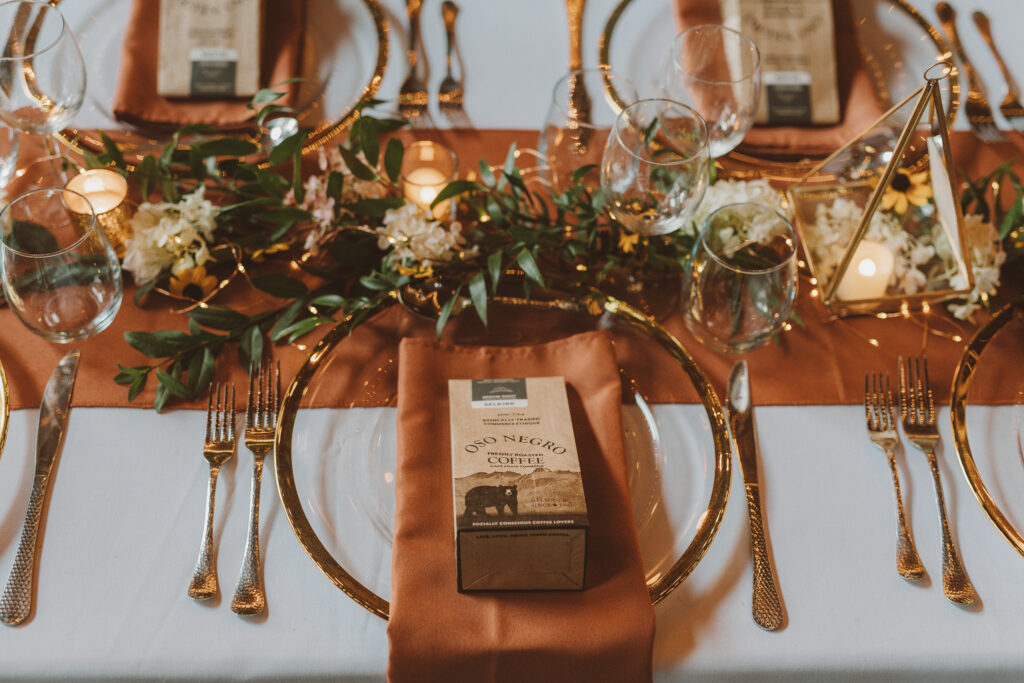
[
  {"x": 520, "y": 512},
  {"x": 209, "y": 48}
]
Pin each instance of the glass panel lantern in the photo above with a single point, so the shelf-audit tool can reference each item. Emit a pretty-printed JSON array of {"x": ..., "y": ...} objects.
[{"x": 879, "y": 220}]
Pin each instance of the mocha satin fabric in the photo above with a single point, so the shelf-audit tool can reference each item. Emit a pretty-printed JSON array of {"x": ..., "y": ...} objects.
[
  {"x": 603, "y": 633},
  {"x": 857, "y": 100},
  {"x": 136, "y": 100},
  {"x": 821, "y": 362}
]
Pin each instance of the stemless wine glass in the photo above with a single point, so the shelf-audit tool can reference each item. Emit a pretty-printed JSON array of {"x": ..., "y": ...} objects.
[
  {"x": 740, "y": 283},
  {"x": 59, "y": 272},
  {"x": 574, "y": 136},
  {"x": 717, "y": 71},
  {"x": 42, "y": 75},
  {"x": 654, "y": 170}
]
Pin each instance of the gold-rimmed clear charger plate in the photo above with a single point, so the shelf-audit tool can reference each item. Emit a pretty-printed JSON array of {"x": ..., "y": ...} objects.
[
  {"x": 5, "y": 407},
  {"x": 344, "y": 56},
  {"x": 896, "y": 42},
  {"x": 990, "y": 442},
  {"x": 336, "y": 466}
]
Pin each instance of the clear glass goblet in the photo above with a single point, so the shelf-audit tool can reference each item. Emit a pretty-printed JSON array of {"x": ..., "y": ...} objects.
[
  {"x": 574, "y": 136},
  {"x": 717, "y": 71},
  {"x": 655, "y": 166},
  {"x": 740, "y": 283},
  {"x": 42, "y": 75},
  {"x": 59, "y": 273}
]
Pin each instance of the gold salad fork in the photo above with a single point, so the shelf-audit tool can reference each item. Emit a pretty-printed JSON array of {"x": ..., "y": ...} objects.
[
  {"x": 1011, "y": 108},
  {"x": 260, "y": 424},
  {"x": 412, "y": 96},
  {"x": 218, "y": 449},
  {"x": 880, "y": 414},
  {"x": 449, "y": 94},
  {"x": 979, "y": 113},
  {"x": 917, "y": 408}
]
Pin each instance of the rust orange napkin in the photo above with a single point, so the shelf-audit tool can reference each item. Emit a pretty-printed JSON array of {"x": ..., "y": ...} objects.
[
  {"x": 858, "y": 101},
  {"x": 136, "y": 100},
  {"x": 603, "y": 633}
]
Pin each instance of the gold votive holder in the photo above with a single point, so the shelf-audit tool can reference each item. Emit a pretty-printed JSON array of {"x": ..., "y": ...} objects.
[
  {"x": 107, "y": 191},
  {"x": 426, "y": 168}
]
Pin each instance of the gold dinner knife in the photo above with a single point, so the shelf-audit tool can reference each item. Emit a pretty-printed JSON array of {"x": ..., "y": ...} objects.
[
  {"x": 16, "y": 601},
  {"x": 766, "y": 604}
]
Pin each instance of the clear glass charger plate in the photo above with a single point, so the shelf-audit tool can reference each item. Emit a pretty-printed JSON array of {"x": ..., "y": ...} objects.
[
  {"x": 335, "y": 466},
  {"x": 992, "y": 462},
  {"x": 896, "y": 42},
  {"x": 344, "y": 57}
]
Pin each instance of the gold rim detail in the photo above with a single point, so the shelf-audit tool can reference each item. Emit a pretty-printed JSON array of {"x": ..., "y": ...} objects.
[
  {"x": 594, "y": 304},
  {"x": 740, "y": 165},
  {"x": 5, "y": 407},
  {"x": 958, "y": 413},
  {"x": 76, "y": 138}
]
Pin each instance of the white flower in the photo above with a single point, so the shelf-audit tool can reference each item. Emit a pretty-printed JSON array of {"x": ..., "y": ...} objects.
[
  {"x": 414, "y": 237},
  {"x": 987, "y": 257},
  {"x": 724, "y": 192},
  {"x": 166, "y": 235}
]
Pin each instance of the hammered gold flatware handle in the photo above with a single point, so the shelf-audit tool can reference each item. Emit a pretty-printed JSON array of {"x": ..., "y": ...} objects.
[
  {"x": 955, "y": 583},
  {"x": 16, "y": 601},
  {"x": 908, "y": 562},
  {"x": 250, "y": 598},
  {"x": 204, "y": 580},
  {"x": 766, "y": 604}
]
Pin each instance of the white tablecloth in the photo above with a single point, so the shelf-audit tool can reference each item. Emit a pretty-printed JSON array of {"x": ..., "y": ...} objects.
[{"x": 127, "y": 504}]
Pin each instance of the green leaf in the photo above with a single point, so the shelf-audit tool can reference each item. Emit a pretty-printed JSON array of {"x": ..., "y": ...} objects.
[
  {"x": 329, "y": 301},
  {"x": 206, "y": 368},
  {"x": 31, "y": 238},
  {"x": 91, "y": 160},
  {"x": 264, "y": 96},
  {"x": 486, "y": 173},
  {"x": 250, "y": 346},
  {"x": 112, "y": 151},
  {"x": 529, "y": 265},
  {"x": 370, "y": 141},
  {"x": 137, "y": 386},
  {"x": 358, "y": 168},
  {"x": 143, "y": 291},
  {"x": 375, "y": 208},
  {"x": 446, "y": 311},
  {"x": 1014, "y": 218},
  {"x": 335, "y": 183},
  {"x": 218, "y": 317},
  {"x": 455, "y": 188},
  {"x": 577, "y": 176},
  {"x": 162, "y": 396},
  {"x": 287, "y": 148},
  {"x": 175, "y": 386},
  {"x": 304, "y": 326},
  {"x": 159, "y": 344},
  {"x": 494, "y": 267},
  {"x": 146, "y": 176},
  {"x": 286, "y": 319},
  {"x": 393, "y": 155},
  {"x": 478, "y": 293},
  {"x": 281, "y": 286}
]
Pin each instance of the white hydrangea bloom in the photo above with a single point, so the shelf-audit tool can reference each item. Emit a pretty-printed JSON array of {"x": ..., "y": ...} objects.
[
  {"x": 987, "y": 257},
  {"x": 166, "y": 235},
  {"x": 724, "y": 192},
  {"x": 413, "y": 237}
]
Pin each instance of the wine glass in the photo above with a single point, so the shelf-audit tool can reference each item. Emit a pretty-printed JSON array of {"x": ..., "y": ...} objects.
[
  {"x": 572, "y": 138},
  {"x": 59, "y": 273},
  {"x": 42, "y": 75},
  {"x": 717, "y": 71},
  {"x": 740, "y": 283},
  {"x": 655, "y": 166}
]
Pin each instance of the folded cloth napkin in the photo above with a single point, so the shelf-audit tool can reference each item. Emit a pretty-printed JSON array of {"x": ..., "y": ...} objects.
[
  {"x": 136, "y": 100},
  {"x": 858, "y": 100},
  {"x": 603, "y": 633}
]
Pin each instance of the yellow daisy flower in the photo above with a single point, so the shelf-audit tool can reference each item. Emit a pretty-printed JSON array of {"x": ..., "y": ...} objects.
[
  {"x": 905, "y": 189},
  {"x": 628, "y": 241},
  {"x": 192, "y": 283}
]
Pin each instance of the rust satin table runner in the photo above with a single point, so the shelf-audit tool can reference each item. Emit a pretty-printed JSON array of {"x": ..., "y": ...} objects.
[
  {"x": 821, "y": 363},
  {"x": 603, "y": 633},
  {"x": 136, "y": 100},
  {"x": 857, "y": 100}
]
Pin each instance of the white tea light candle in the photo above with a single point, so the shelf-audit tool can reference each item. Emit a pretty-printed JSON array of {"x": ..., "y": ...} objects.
[
  {"x": 868, "y": 274},
  {"x": 426, "y": 168},
  {"x": 107, "y": 192},
  {"x": 422, "y": 185}
]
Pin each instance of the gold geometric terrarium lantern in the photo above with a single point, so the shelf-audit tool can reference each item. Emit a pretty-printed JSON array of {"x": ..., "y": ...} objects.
[{"x": 879, "y": 218}]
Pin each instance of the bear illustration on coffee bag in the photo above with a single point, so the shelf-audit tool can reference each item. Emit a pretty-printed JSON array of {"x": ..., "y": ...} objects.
[{"x": 480, "y": 497}]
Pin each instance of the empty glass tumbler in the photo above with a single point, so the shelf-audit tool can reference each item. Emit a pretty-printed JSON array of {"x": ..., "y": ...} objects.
[
  {"x": 740, "y": 283},
  {"x": 59, "y": 272}
]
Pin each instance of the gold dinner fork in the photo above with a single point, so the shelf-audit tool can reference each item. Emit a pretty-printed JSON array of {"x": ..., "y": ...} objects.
[
  {"x": 880, "y": 414},
  {"x": 449, "y": 94},
  {"x": 218, "y": 449},
  {"x": 260, "y": 424},
  {"x": 1011, "y": 108},
  {"x": 412, "y": 96},
  {"x": 979, "y": 113},
  {"x": 917, "y": 408}
]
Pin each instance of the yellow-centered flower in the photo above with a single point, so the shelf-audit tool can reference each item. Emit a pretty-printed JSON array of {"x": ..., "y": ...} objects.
[
  {"x": 905, "y": 189},
  {"x": 193, "y": 283},
  {"x": 628, "y": 241}
]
